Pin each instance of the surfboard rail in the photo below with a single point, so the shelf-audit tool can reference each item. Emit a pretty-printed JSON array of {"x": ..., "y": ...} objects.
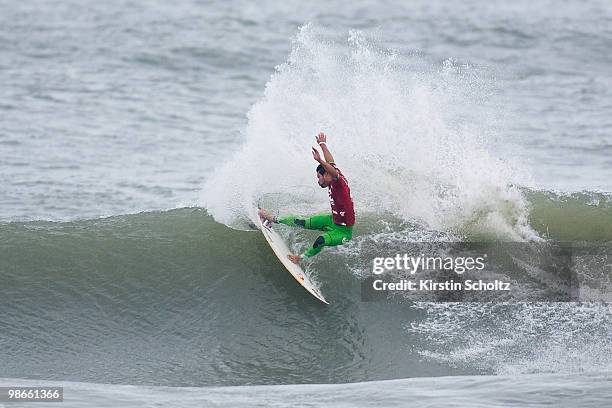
[{"x": 281, "y": 251}]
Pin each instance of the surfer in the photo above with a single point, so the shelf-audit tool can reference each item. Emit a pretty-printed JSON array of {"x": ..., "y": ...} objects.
[{"x": 337, "y": 226}]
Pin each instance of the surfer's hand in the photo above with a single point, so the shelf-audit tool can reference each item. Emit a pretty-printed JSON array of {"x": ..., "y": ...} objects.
[
  {"x": 316, "y": 155},
  {"x": 321, "y": 138},
  {"x": 294, "y": 258}
]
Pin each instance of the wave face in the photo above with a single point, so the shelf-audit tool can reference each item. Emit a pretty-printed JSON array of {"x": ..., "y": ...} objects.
[
  {"x": 411, "y": 135},
  {"x": 175, "y": 298},
  {"x": 582, "y": 216},
  {"x": 112, "y": 108},
  {"x": 584, "y": 390}
]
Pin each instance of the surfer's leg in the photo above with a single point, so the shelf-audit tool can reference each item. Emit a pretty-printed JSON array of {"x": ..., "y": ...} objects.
[
  {"x": 292, "y": 221},
  {"x": 320, "y": 222},
  {"x": 318, "y": 245},
  {"x": 337, "y": 236},
  {"x": 316, "y": 222}
]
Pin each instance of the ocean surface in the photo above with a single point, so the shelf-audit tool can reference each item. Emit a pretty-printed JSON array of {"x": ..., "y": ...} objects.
[{"x": 135, "y": 138}]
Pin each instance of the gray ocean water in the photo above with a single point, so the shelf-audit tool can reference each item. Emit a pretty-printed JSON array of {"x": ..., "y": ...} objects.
[{"x": 134, "y": 136}]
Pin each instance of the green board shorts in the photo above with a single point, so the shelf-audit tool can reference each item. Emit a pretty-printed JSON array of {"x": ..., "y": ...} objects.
[{"x": 334, "y": 234}]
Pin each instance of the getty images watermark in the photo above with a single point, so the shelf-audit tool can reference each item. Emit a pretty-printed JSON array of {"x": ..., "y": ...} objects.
[
  {"x": 414, "y": 264},
  {"x": 493, "y": 272}
]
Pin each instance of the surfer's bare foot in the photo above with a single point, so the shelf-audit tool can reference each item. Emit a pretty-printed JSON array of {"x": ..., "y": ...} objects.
[
  {"x": 264, "y": 215},
  {"x": 294, "y": 258}
]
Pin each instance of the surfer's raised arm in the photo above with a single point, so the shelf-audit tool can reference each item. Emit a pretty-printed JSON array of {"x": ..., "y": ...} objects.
[
  {"x": 337, "y": 227},
  {"x": 329, "y": 159}
]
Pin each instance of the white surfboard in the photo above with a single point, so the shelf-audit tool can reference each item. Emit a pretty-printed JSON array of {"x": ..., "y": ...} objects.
[{"x": 281, "y": 251}]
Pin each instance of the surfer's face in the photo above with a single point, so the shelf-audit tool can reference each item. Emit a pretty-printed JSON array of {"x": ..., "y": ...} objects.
[{"x": 324, "y": 180}]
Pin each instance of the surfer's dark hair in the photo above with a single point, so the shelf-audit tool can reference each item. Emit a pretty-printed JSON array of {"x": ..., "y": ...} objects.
[{"x": 321, "y": 169}]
